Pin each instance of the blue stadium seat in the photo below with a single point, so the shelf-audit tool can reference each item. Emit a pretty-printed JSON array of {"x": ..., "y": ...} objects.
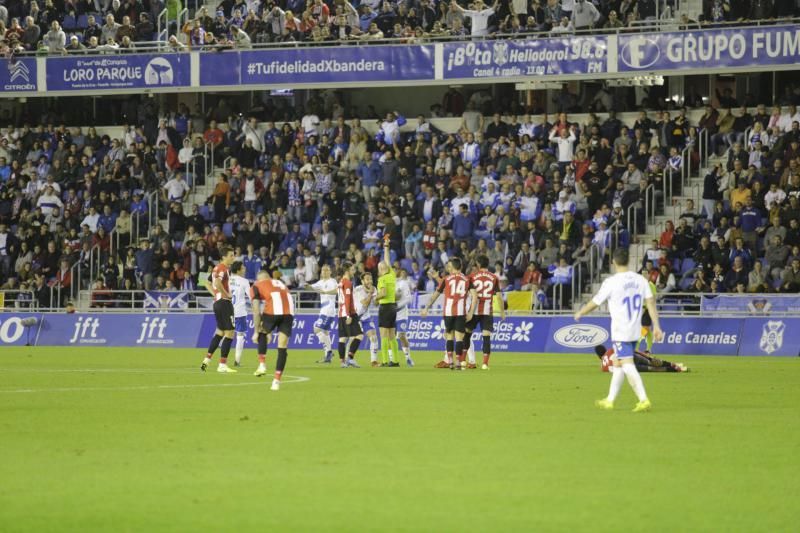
[
  {"x": 405, "y": 264},
  {"x": 684, "y": 284},
  {"x": 227, "y": 229},
  {"x": 687, "y": 265},
  {"x": 69, "y": 23},
  {"x": 305, "y": 229},
  {"x": 83, "y": 22},
  {"x": 204, "y": 212}
]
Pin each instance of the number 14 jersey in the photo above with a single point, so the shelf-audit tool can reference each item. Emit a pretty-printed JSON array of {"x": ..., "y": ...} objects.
[{"x": 455, "y": 288}]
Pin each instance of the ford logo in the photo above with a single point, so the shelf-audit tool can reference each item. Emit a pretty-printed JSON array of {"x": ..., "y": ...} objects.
[{"x": 580, "y": 336}]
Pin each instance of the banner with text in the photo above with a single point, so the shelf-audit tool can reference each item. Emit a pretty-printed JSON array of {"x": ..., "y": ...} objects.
[
  {"x": 735, "y": 47},
  {"x": 118, "y": 72},
  {"x": 532, "y": 334},
  {"x": 317, "y": 65},
  {"x": 18, "y": 75},
  {"x": 535, "y": 57},
  {"x": 757, "y": 304},
  {"x": 166, "y": 300}
]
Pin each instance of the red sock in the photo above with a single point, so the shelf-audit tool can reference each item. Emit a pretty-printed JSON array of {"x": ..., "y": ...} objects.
[
  {"x": 209, "y": 356},
  {"x": 223, "y": 360},
  {"x": 486, "y": 359},
  {"x": 262, "y": 358},
  {"x": 278, "y": 374},
  {"x": 449, "y": 358},
  {"x": 462, "y": 356}
]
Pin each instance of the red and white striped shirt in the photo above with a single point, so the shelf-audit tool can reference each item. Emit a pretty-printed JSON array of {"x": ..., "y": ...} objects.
[
  {"x": 221, "y": 273},
  {"x": 486, "y": 285},
  {"x": 454, "y": 288},
  {"x": 275, "y": 298},
  {"x": 347, "y": 306}
]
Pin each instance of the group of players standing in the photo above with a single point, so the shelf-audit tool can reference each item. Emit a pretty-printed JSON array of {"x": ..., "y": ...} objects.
[{"x": 468, "y": 304}]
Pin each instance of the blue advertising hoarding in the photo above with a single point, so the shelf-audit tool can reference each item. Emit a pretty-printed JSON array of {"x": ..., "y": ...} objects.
[
  {"x": 735, "y": 47},
  {"x": 18, "y": 75},
  {"x": 121, "y": 71},
  {"x": 756, "y": 304},
  {"x": 317, "y": 65},
  {"x": 767, "y": 336},
  {"x": 532, "y": 57}
]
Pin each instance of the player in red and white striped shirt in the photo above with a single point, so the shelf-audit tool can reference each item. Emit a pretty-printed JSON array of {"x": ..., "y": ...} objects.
[
  {"x": 349, "y": 324},
  {"x": 454, "y": 286},
  {"x": 483, "y": 286},
  {"x": 223, "y": 312},
  {"x": 273, "y": 309}
]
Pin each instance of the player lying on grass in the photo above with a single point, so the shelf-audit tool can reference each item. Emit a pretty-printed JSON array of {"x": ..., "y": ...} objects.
[{"x": 643, "y": 362}]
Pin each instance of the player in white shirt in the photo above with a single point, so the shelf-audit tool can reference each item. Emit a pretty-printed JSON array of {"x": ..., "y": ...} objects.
[
  {"x": 404, "y": 293},
  {"x": 240, "y": 297},
  {"x": 327, "y": 287},
  {"x": 364, "y": 296},
  {"x": 627, "y": 294}
]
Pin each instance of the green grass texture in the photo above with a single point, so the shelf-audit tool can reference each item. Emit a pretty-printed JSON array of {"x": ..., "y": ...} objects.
[{"x": 100, "y": 439}]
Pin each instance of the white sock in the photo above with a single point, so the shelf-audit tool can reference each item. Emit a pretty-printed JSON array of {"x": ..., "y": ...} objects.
[
  {"x": 617, "y": 378},
  {"x": 471, "y": 354},
  {"x": 407, "y": 351},
  {"x": 445, "y": 358},
  {"x": 635, "y": 381},
  {"x": 373, "y": 350},
  {"x": 325, "y": 339},
  {"x": 239, "y": 347}
]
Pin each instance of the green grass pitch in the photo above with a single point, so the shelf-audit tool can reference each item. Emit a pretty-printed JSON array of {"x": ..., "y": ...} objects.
[{"x": 140, "y": 440}]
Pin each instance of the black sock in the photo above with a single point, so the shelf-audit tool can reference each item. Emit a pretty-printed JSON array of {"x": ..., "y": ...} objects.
[
  {"x": 459, "y": 349},
  {"x": 449, "y": 346},
  {"x": 466, "y": 341},
  {"x": 354, "y": 344},
  {"x": 342, "y": 349},
  {"x": 487, "y": 344},
  {"x": 225, "y": 347},
  {"x": 280, "y": 364},
  {"x": 214, "y": 344},
  {"x": 262, "y": 343}
]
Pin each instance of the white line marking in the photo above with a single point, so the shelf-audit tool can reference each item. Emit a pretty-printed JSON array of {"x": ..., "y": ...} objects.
[{"x": 295, "y": 379}]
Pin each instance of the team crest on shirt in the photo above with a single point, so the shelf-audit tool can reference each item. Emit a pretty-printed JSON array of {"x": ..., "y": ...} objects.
[
  {"x": 772, "y": 336},
  {"x": 500, "y": 53}
]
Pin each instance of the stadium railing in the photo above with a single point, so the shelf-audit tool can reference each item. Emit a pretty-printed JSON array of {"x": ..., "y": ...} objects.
[{"x": 648, "y": 26}]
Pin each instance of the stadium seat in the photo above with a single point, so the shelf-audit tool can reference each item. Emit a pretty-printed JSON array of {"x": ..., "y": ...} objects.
[
  {"x": 82, "y": 23},
  {"x": 69, "y": 23},
  {"x": 519, "y": 300},
  {"x": 405, "y": 264},
  {"x": 227, "y": 229},
  {"x": 305, "y": 229},
  {"x": 687, "y": 265},
  {"x": 204, "y": 212}
]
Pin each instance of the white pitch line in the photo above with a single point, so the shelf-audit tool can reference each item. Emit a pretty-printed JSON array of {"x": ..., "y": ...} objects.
[{"x": 295, "y": 379}]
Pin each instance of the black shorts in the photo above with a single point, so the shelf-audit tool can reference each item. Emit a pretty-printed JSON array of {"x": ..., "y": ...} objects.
[
  {"x": 486, "y": 322},
  {"x": 455, "y": 323},
  {"x": 223, "y": 313},
  {"x": 387, "y": 316},
  {"x": 281, "y": 323},
  {"x": 646, "y": 320},
  {"x": 353, "y": 329}
]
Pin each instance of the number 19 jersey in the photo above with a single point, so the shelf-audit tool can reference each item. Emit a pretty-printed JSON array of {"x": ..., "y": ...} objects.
[{"x": 625, "y": 293}]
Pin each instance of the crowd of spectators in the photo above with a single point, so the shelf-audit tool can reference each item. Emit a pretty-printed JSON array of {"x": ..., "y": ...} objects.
[
  {"x": 745, "y": 236},
  {"x": 544, "y": 197},
  {"x": 78, "y": 26}
]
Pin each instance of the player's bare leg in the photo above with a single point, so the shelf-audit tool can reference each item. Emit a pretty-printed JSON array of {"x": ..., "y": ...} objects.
[
  {"x": 212, "y": 347},
  {"x": 352, "y": 349},
  {"x": 324, "y": 338},
  {"x": 373, "y": 348}
]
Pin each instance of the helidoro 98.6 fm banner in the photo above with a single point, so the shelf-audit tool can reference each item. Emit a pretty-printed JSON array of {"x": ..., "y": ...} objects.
[{"x": 774, "y": 336}]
